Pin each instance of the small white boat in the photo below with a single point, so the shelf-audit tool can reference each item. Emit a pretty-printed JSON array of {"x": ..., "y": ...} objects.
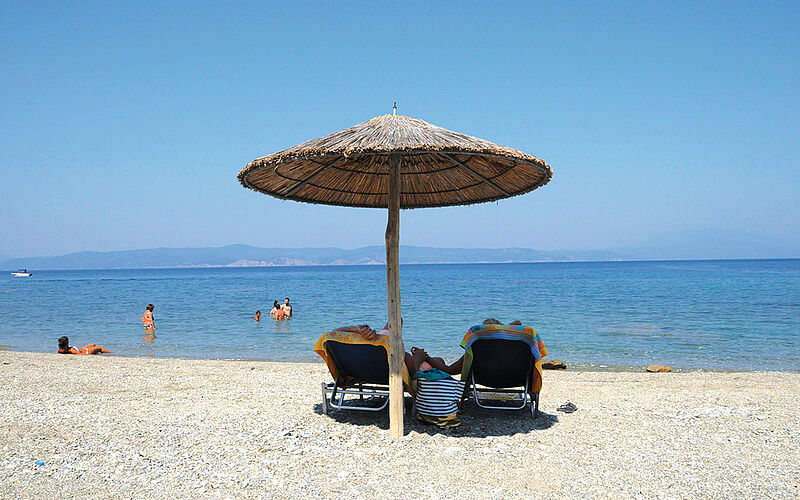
[{"x": 21, "y": 273}]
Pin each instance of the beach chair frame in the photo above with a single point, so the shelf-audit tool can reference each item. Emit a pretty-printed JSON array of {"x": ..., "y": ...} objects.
[
  {"x": 333, "y": 396},
  {"x": 521, "y": 397},
  {"x": 522, "y": 393}
]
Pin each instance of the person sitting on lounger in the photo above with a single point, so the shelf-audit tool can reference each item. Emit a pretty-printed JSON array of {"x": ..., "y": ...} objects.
[{"x": 65, "y": 348}]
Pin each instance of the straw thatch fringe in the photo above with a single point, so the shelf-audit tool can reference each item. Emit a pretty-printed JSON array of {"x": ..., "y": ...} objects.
[{"x": 439, "y": 167}]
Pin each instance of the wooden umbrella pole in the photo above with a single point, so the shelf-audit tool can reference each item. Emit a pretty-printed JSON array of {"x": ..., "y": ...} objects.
[{"x": 396, "y": 349}]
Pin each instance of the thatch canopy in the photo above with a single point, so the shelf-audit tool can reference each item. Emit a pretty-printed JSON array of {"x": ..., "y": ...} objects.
[{"x": 439, "y": 167}]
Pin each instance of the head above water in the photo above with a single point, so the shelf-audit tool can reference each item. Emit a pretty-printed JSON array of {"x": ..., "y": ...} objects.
[
  {"x": 150, "y": 307},
  {"x": 286, "y": 300},
  {"x": 491, "y": 321},
  {"x": 276, "y": 304},
  {"x": 516, "y": 322}
]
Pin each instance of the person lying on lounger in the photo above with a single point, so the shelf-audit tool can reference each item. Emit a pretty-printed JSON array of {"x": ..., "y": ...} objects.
[
  {"x": 65, "y": 348},
  {"x": 458, "y": 365},
  {"x": 413, "y": 359},
  {"x": 418, "y": 358}
]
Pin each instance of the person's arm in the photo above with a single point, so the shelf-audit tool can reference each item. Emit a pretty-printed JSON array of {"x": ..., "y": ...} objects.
[{"x": 365, "y": 331}]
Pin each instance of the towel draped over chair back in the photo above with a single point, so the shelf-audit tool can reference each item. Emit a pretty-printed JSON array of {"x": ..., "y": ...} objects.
[
  {"x": 520, "y": 333},
  {"x": 354, "y": 339}
]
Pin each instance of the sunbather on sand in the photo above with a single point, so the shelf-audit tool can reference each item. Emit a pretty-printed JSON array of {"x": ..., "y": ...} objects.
[{"x": 65, "y": 348}]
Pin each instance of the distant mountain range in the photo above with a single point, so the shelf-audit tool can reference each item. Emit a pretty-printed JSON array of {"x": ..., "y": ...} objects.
[
  {"x": 250, "y": 256},
  {"x": 689, "y": 245}
]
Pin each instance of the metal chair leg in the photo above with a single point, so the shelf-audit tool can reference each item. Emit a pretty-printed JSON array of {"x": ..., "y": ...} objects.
[{"x": 535, "y": 405}]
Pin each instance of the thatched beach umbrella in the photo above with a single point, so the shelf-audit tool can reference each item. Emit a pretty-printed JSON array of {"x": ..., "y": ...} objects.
[{"x": 396, "y": 162}]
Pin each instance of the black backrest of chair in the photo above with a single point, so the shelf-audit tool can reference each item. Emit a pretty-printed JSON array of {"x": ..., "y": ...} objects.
[
  {"x": 501, "y": 363},
  {"x": 363, "y": 362}
]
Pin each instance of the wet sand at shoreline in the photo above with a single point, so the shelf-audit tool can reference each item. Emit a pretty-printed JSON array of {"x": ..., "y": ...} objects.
[{"x": 166, "y": 428}]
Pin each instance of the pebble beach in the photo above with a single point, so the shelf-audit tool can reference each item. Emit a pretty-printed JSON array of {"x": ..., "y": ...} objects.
[{"x": 116, "y": 427}]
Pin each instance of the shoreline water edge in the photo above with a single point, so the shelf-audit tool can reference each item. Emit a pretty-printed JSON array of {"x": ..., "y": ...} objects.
[{"x": 569, "y": 366}]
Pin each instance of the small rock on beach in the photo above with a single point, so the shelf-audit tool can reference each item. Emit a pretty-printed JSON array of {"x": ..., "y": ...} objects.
[{"x": 554, "y": 364}]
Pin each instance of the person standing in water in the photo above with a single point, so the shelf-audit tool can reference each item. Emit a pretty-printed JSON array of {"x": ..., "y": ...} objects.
[
  {"x": 275, "y": 308},
  {"x": 287, "y": 308},
  {"x": 147, "y": 318}
]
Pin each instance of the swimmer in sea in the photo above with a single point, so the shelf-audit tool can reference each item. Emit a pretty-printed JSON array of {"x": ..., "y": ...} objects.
[
  {"x": 257, "y": 317},
  {"x": 147, "y": 318},
  {"x": 278, "y": 312},
  {"x": 287, "y": 308},
  {"x": 275, "y": 308},
  {"x": 65, "y": 348}
]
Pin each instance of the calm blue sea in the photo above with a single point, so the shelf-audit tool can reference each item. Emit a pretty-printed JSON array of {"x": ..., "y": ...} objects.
[{"x": 717, "y": 315}]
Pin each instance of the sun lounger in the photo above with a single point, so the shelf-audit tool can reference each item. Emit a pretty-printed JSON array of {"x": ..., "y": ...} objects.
[
  {"x": 503, "y": 361},
  {"x": 360, "y": 371}
]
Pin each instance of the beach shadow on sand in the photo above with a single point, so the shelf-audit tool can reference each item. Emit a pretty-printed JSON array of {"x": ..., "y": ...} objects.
[{"x": 475, "y": 421}]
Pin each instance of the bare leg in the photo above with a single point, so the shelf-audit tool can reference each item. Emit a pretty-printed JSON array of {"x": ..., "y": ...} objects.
[{"x": 95, "y": 349}]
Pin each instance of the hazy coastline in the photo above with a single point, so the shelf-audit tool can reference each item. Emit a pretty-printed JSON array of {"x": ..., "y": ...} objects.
[{"x": 250, "y": 256}]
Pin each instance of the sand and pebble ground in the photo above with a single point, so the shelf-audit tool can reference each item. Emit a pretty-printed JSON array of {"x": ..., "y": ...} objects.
[{"x": 114, "y": 427}]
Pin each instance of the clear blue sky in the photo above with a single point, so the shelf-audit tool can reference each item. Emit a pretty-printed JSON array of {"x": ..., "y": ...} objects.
[{"x": 124, "y": 126}]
